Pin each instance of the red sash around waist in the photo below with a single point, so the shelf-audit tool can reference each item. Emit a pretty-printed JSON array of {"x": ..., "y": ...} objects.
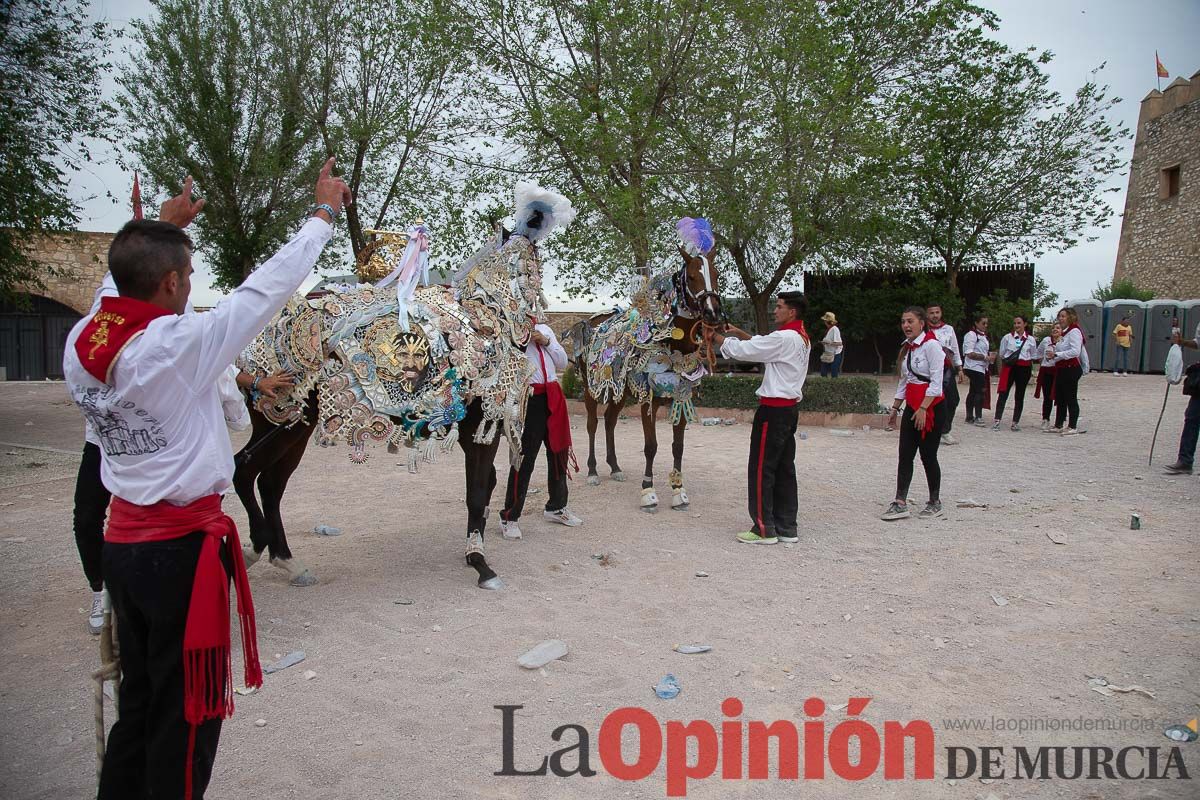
[
  {"x": 777, "y": 402},
  {"x": 914, "y": 395},
  {"x": 207, "y": 663}
]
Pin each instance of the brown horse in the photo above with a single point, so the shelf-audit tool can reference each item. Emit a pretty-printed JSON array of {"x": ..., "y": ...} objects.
[{"x": 697, "y": 312}]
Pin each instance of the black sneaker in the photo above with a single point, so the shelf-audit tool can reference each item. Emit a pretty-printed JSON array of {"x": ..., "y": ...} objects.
[
  {"x": 931, "y": 511},
  {"x": 1179, "y": 469}
]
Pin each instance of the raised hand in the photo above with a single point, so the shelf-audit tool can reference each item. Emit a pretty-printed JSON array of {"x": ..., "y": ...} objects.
[
  {"x": 330, "y": 190},
  {"x": 180, "y": 210}
]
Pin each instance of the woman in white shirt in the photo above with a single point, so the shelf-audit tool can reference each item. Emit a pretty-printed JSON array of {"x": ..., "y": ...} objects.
[
  {"x": 1018, "y": 351},
  {"x": 1046, "y": 373},
  {"x": 831, "y": 358},
  {"x": 1069, "y": 358},
  {"x": 920, "y": 392},
  {"x": 976, "y": 358}
]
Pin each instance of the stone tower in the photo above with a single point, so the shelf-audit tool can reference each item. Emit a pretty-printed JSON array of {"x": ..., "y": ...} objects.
[{"x": 1160, "y": 232}]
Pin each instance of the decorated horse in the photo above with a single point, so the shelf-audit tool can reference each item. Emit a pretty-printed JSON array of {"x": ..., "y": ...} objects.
[
  {"x": 655, "y": 352},
  {"x": 415, "y": 366}
]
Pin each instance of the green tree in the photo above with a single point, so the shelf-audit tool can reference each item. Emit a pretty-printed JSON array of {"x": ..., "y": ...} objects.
[
  {"x": 790, "y": 139},
  {"x": 215, "y": 89},
  {"x": 1123, "y": 289},
  {"x": 996, "y": 164},
  {"x": 395, "y": 98},
  {"x": 585, "y": 91},
  {"x": 51, "y": 64}
]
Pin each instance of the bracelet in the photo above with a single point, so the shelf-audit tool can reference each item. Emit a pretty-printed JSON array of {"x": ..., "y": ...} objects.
[
  {"x": 254, "y": 385},
  {"x": 328, "y": 209}
]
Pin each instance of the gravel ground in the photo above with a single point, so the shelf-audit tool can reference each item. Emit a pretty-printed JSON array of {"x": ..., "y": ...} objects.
[{"x": 998, "y": 612}]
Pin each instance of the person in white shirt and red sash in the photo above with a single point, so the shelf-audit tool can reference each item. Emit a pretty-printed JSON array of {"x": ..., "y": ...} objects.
[
  {"x": 1017, "y": 352},
  {"x": 977, "y": 359},
  {"x": 1045, "y": 379},
  {"x": 546, "y": 422},
  {"x": 771, "y": 473},
  {"x": 1069, "y": 360},
  {"x": 920, "y": 392},
  {"x": 145, "y": 375},
  {"x": 953, "y": 366}
]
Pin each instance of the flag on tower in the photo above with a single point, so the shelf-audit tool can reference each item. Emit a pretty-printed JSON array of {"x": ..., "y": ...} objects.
[{"x": 1162, "y": 71}]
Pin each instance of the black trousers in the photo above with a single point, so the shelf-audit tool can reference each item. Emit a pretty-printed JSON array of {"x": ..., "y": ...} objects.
[
  {"x": 975, "y": 394},
  {"x": 1018, "y": 378},
  {"x": 91, "y": 506},
  {"x": 911, "y": 443},
  {"x": 771, "y": 471},
  {"x": 535, "y": 436},
  {"x": 1048, "y": 392},
  {"x": 950, "y": 392},
  {"x": 1066, "y": 396},
  {"x": 151, "y": 586}
]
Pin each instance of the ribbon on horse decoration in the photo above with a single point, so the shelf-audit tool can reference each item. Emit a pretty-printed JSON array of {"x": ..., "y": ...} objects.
[{"x": 412, "y": 269}]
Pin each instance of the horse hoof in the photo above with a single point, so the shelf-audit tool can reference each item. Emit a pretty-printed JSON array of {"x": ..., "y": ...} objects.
[
  {"x": 649, "y": 509},
  {"x": 681, "y": 507},
  {"x": 305, "y": 578},
  {"x": 491, "y": 584},
  {"x": 250, "y": 556},
  {"x": 593, "y": 480},
  {"x": 619, "y": 477}
]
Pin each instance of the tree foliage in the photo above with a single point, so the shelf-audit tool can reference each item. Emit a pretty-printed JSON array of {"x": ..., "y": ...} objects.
[
  {"x": 215, "y": 89},
  {"x": 998, "y": 166},
  {"x": 1123, "y": 289},
  {"x": 51, "y": 112}
]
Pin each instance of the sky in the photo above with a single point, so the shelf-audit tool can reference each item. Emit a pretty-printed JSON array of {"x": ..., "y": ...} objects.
[{"x": 1123, "y": 34}]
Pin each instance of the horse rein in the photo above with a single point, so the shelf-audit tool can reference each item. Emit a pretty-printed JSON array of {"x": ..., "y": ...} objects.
[{"x": 694, "y": 302}]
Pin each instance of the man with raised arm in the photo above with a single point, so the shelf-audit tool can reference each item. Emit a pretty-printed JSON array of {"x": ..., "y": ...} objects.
[{"x": 145, "y": 375}]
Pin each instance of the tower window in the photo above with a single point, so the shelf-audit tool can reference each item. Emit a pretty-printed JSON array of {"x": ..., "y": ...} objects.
[{"x": 1168, "y": 182}]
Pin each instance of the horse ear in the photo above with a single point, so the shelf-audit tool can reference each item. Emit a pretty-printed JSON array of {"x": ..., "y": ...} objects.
[
  {"x": 686, "y": 258},
  {"x": 712, "y": 253}
]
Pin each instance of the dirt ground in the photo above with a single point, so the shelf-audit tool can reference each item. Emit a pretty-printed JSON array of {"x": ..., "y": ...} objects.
[{"x": 401, "y": 705}]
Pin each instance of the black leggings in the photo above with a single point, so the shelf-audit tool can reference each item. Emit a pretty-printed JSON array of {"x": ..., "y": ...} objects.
[
  {"x": 911, "y": 442},
  {"x": 1047, "y": 391},
  {"x": 1066, "y": 396},
  {"x": 975, "y": 394},
  {"x": 1018, "y": 376},
  {"x": 91, "y": 504}
]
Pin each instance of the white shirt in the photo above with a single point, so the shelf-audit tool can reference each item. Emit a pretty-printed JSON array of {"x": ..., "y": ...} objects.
[
  {"x": 784, "y": 356},
  {"x": 948, "y": 339},
  {"x": 1069, "y": 346},
  {"x": 161, "y": 427},
  {"x": 1041, "y": 353},
  {"x": 555, "y": 356},
  {"x": 975, "y": 342},
  {"x": 927, "y": 361},
  {"x": 108, "y": 288},
  {"x": 833, "y": 341},
  {"x": 1010, "y": 343},
  {"x": 233, "y": 404}
]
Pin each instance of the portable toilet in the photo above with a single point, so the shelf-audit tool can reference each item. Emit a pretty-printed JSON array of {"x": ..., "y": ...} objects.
[
  {"x": 1189, "y": 318},
  {"x": 1114, "y": 312},
  {"x": 1091, "y": 320},
  {"x": 1161, "y": 317}
]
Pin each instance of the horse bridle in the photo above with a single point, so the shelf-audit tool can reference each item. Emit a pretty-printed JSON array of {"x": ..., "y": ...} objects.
[{"x": 694, "y": 303}]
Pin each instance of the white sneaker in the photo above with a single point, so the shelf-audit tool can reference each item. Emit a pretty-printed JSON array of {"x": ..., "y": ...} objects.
[
  {"x": 948, "y": 439},
  {"x": 1070, "y": 432},
  {"x": 1045, "y": 426},
  {"x": 510, "y": 530},
  {"x": 96, "y": 616},
  {"x": 563, "y": 516}
]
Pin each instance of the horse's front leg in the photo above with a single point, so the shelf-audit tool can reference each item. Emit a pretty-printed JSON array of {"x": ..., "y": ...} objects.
[
  {"x": 679, "y": 498},
  {"x": 593, "y": 419},
  {"x": 649, "y": 499},
  {"x": 611, "y": 413}
]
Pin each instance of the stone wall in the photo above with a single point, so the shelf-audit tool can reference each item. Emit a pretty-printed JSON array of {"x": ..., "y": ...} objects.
[
  {"x": 79, "y": 257},
  {"x": 1160, "y": 232}
]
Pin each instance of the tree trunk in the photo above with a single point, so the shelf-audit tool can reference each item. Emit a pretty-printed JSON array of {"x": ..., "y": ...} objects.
[
  {"x": 878, "y": 353},
  {"x": 762, "y": 317}
]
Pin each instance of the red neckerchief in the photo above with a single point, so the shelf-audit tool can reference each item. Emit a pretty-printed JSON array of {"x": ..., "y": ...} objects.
[
  {"x": 928, "y": 337},
  {"x": 559, "y": 423},
  {"x": 797, "y": 326},
  {"x": 1074, "y": 328},
  {"x": 207, "y": 665},
  {"x": 118, "y": 322},
  {"x": 941, "y": 324}
]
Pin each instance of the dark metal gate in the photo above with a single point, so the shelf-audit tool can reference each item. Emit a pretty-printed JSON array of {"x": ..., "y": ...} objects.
[{"x": 32, "y": 338}]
